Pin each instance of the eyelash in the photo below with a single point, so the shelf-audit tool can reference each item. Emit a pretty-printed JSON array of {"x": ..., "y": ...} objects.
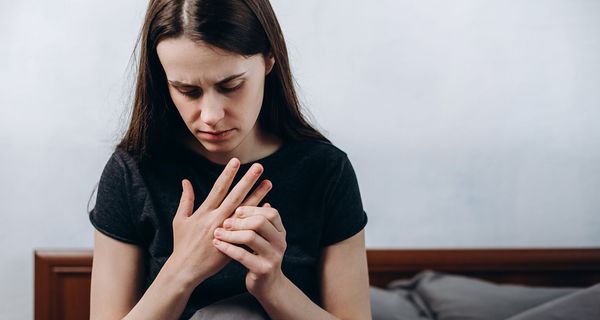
[{"x": 194, "y": 93}]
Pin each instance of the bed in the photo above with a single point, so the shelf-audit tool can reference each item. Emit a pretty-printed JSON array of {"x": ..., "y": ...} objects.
[{"x": 62, "y": 277}]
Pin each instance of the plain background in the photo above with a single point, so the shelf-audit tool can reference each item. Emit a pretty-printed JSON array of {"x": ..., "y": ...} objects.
[{"x": 469, "y": 123}]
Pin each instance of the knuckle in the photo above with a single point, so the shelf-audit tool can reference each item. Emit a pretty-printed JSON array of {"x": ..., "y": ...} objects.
[
  {"x": 251, "y": 236},
  {"x": 273, "y": 214},
  {"x": 242, "y": 258},
  {"x": 262, "y": 270},
  {"x": 220, "y": 189},
  {"x": 268, "y": 267},
  {"x": 235, "y": 223},
  {"x": 280, "y": 246},
  {"x": 261, "y": 220}
]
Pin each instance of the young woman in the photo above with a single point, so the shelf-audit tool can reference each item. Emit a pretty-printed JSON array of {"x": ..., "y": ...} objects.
[{"x": 183, "y": 221}]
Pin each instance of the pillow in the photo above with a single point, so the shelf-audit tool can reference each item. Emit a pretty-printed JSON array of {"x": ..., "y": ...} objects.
[
  {"x": 583, "y": 304},
  {"x": 243, "y": 306},
  {"x": 393, "y": 305},
  {"x": 449, "y": 297}
]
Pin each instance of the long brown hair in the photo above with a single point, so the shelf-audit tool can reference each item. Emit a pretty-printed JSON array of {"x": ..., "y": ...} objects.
[{"x": 245, "y": 27}]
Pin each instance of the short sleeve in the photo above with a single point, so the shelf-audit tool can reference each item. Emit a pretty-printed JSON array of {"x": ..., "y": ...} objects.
[
  {"x": 112, "y": 214},
  {"x": 344, "y": 214}
]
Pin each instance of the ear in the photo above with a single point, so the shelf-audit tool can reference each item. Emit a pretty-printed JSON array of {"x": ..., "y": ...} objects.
[{"x": 269, "y": 63}]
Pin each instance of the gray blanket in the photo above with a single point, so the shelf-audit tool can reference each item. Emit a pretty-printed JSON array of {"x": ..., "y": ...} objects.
[{"x": 438, "y": 296}]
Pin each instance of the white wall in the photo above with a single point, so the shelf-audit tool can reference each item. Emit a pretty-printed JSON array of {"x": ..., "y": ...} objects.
[{"x": 469, "y": 123}]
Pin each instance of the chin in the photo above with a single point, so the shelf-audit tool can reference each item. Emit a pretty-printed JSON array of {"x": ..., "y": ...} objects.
[
  {"x": 221, "y": 146},
  {"x": 216, "y": 148}
]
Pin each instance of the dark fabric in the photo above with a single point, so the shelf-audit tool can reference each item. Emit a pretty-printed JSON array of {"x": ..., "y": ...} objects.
[
  {"x": 581, "y": 305},
  {"x": 453, "y": 297},
  {"x": 314, "y": 189}
]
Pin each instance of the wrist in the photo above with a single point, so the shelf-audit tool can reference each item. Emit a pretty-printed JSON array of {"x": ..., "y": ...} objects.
[
  {"x": 274, "y": 289},
  {"x": 174, "y": 272}
]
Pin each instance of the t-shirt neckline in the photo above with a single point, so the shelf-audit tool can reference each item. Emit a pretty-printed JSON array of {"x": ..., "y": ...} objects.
[{"x": 193, "y": 156}]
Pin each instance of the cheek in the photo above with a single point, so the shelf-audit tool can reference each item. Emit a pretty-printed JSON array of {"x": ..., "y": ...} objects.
[
  {"x": 245, "y": 106},
  {"x": 254, "y": 99}
]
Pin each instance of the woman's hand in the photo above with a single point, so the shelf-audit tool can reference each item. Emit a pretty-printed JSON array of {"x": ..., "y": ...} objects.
[
  {"x": 193, "y": 255},
  {"x": 260, "y": 229}
]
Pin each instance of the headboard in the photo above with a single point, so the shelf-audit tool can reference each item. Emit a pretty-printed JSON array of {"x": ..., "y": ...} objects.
[{"x": 62, "y": 277}]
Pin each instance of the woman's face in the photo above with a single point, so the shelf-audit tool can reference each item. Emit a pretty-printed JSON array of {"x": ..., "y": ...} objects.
[{"x": 217, "y": 93}]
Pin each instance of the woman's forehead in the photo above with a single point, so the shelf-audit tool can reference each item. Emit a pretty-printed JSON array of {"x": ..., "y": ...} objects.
[{"x": 196, "y": 63}]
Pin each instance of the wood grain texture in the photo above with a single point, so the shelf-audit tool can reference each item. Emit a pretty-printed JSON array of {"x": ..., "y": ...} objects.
[
  {"x": 62, "y": 284},
  {"x": 62, "y": 277},
  {"x": 539, "y": 267}
]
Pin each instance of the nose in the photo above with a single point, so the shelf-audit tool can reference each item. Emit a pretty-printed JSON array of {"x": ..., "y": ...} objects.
[{"x": 211, "y": 109}]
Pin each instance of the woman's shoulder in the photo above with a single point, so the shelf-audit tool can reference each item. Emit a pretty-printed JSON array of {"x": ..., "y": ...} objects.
[
  {"x": 318, "y": 156},
  {"x": 122, "y": 163},
  {"x": 321, "y": 149}
]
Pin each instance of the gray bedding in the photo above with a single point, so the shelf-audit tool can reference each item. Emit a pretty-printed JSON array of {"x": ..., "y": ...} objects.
[{"x": 438, "y": 296}]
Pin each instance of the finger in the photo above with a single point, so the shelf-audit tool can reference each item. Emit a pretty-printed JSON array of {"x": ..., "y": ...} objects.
[
  {"x": 241, "y": 189},
  {"x": 249, "y": 260},
  {"x": 221, "y": 186},
  {"x": 256, "y": 197},
  {"x": 186, "y": 203},
  {"x": 270, "y": 213},
  {"x": 259, "y": 224},
  {"x": 253, "y": 240}
]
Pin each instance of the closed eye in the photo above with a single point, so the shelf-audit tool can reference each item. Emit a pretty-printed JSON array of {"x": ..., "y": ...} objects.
[
  {"x": 194, "y": 92},
  {"x": 227, "y": 89},
  {"x": 190, "y": 93}
]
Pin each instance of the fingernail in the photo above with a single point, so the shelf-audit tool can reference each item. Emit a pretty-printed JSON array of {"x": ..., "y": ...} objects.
[
  {"x": 217, "y": 242},
  {"x": 218, "y": 232},
  {"x": 234, "y": 162},
  {"x": 227, "y": 223}
]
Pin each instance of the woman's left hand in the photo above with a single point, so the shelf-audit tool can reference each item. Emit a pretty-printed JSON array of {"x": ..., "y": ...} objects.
[{"x": 261, "y": 230}]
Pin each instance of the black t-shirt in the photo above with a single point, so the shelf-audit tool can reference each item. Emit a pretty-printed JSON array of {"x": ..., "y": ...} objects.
[{"x": 315, "y": 191}]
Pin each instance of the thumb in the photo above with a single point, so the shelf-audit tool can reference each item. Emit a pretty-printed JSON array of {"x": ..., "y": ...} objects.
[{"x": 186, "y": 203}]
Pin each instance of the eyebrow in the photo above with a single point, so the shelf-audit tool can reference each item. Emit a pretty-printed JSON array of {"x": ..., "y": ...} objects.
[{"x": 229, "y": 78}]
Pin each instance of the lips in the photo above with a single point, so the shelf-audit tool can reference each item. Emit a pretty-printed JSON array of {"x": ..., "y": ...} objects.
[
  {"x": 215, "y": 136},
  {"x": 216, "y": 133}
]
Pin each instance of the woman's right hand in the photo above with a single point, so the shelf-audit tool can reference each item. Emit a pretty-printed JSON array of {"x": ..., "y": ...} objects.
[{"x": 194, "y": 256}]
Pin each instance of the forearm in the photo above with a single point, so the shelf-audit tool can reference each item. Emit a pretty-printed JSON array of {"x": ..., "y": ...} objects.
[
  {"x": 287, "y": 301},
  {"x": 166, "y": 297}
]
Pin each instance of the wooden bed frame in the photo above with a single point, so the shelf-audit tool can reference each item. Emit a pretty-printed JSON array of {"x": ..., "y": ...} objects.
[{"x": 62, "y": 277}]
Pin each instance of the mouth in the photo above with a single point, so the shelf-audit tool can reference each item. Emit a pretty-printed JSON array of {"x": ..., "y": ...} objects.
[{"x": 215, "y": 135}]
